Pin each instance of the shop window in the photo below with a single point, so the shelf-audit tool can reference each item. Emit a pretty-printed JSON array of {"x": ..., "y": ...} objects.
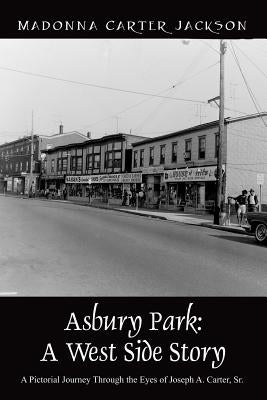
[
  {"x": 162, "y": 154},
  {"x": 110, "y": 146},
  {"x": 96, "y": 149},
  {"x": 142, "y": 152},
  {"x": 174, "y": 152},
  {"x": 151, "y": 155},
  {"x": 188, "y": 146},
  {"x": 79, "y": 152},
  {"x": 135, "y": 159},
  {"x": 201, "y": 147}
]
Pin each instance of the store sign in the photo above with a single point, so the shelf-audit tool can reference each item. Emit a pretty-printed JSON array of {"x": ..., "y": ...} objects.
[
  {"x": 135, "y": 177},
  {"x": 190, "y": 174},
  {"x": 260, "y": 179},
  {"x": 153, "y": 170}
]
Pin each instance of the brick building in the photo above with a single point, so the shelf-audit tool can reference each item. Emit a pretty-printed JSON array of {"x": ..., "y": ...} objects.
[
  {"x": 179, "y": 169},
  {"x": 101, "y": 166},
  {"x": 15, "y": 159}
]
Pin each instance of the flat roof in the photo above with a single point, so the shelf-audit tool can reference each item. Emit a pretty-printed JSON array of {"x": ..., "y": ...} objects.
[{"x": 199, "y": 128}]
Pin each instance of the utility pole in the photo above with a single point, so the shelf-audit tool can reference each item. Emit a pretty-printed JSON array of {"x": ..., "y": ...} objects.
[
  {"x": 218, "y": 203},
  {"x": 31, "y": 162}
]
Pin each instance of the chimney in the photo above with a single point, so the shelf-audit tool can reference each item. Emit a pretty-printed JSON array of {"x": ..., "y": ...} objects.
[
  {"x": 60, "y": 129},
  {"x": 88, "y": 135}
]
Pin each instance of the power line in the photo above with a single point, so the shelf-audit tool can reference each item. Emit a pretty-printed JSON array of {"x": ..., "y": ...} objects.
[
  {"x": 258, "y": 68},
  {"x": 252, "y": 96},
  {"x": 158, "y": 93},
  {"x": 99, "y": 86}
]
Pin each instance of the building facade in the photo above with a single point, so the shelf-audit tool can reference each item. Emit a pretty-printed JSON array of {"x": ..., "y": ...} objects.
[
  {"x": 179, "y": 169},
  {"x": 98, "y": 169},
  {"x": 15, "y": 160}
]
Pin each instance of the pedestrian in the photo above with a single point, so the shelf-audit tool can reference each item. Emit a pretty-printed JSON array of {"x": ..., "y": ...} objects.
[
  {"x": 252, "y": 201},
  {"x": 124, "y": 199},
  {"x": 47, "y": 193},
  {"x": 241, "y": 206},
  {"x": 64, "y": 193}
]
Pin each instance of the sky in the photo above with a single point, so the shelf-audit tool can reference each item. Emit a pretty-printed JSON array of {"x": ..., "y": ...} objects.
[{"x": 186, "y": 72}]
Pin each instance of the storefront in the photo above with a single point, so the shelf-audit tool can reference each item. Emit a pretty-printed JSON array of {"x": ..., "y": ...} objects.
[
  {"x": 152, "y": 184},
  {"x": 102, "y": 188},
  {"x": 192, "y": 188}
]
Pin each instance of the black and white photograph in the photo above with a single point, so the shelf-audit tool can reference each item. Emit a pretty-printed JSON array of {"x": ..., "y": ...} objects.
[{"x": 133, "y": 170}]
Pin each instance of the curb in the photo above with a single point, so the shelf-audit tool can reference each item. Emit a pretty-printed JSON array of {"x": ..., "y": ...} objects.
[
  {"x": 226, "y": 229},
  {"x": 133, "y": 212}
]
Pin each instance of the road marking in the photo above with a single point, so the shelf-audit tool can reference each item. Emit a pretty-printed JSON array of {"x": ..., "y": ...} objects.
[{"x": 8, "y": 293}]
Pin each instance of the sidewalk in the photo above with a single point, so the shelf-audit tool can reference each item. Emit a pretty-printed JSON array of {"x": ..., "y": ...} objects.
[{"x": 174, "y": 216}]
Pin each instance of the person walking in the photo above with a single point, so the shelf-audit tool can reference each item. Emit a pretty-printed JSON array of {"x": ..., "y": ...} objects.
[{"x": 252, "y": 201}]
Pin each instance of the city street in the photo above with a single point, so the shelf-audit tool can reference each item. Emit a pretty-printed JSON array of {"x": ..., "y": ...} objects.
[{"x": 51, "y": 248}]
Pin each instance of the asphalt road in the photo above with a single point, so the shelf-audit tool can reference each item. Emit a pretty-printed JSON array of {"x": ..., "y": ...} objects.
[{"x": 60, "y": 249}]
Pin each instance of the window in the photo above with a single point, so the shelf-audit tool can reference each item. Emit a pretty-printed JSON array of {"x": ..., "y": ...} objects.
[
  {"x": 53, "y": 165},
  {"x": 21, "y": 166},
  {"x": 188, "y": 145},
  {"x": 162, "y": 154},
  {"x": 59, "y": 164},
  {"x": 96, "y": 161},
  {"x": 142, "y": 152},
  {"x": 64, "y": 164},
  {"x": 151, "y": 155},
  {"x": 45, "y": 165},
  {"x": 174, "y": 152},
  {"x": 135, "y": 159},
  {"x": 216, "y": 144},
  {"x": 73, "y": 163},
  {"x": 17, "y": 167},
  {"x": 109, "y": 159},
  {"x": 201, "y": 147},
  {"x": 79, "y": 163},
  {"x": 117, "y": 159},
  {"x": 89, "y": 161}
]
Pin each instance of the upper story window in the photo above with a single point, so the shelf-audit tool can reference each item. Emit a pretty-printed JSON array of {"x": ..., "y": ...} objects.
[
  {"x": 96, "y": 161},
  {"x": 117, "y": 159},
  {"x": 162, "y": 154},
  {"x": 89, "y": 161},
  {"x": 202, "y": 147},
  {"x": 151, "y": 155},
  {"x": 135, "y": 159},
  {"x": 188, "y": 148},
  {"x": 174, "y": 152},
  {"x": 53, "y": 165},
  {"x": 64, "y": 164},
  {"x": 142, "y": 153}
]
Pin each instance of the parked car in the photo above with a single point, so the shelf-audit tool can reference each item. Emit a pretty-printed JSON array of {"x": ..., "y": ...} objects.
[{"x": 258, "y": 225}]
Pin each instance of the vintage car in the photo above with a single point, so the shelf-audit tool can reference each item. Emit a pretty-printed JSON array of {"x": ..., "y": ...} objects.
[{"x": 258, "y": 225}]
